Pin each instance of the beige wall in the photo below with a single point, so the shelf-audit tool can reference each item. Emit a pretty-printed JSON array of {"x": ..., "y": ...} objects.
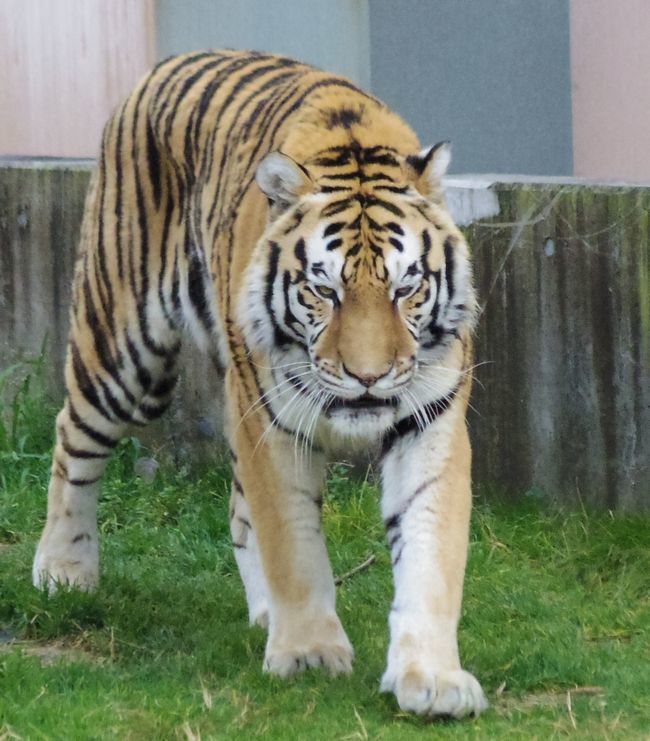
[
  {"x": 64, "y": 65},
  {"x": 610, "y": 60}
]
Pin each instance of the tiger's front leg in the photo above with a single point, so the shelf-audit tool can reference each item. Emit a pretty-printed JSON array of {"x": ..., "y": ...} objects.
[
  {"x": 279, "y": 486},
  {"x": 426, "y": 507}
]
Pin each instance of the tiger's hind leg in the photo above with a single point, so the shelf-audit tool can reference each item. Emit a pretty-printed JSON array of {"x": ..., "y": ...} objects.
[
  {"x": 68, "y": 551},
  {"x": 131, "y": 385}
]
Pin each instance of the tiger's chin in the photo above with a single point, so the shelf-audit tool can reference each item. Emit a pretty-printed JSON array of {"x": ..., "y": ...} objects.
[{"x": 361, "y": 425}]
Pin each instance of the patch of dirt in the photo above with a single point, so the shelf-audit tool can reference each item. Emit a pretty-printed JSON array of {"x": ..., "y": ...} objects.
[
  {"x": 506, "y": 703},
  {"x": 52, "y": 652}
]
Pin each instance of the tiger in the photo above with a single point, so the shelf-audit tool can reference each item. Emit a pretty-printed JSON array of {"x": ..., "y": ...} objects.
[{"x": 287, "y": 221}]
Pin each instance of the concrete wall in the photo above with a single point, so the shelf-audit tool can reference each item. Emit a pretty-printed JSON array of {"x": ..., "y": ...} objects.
[
  {"x": 332, "y": 34},
  {"x": 562, "y": 400},
  {"x": 491, "y": 76},
  {"x": 562, "y": 403}
]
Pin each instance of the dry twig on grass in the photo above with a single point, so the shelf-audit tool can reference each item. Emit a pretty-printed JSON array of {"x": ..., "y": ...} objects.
[{"x": 361, "y": 567}]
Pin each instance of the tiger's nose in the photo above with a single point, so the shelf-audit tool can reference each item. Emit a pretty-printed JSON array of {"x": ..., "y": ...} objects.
[{"x": 367, "y": 378}]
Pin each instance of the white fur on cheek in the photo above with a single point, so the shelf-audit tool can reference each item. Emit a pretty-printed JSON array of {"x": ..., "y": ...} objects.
[
  {"x": 251, "y": 313},
  {"x": 397, "y": 262}
]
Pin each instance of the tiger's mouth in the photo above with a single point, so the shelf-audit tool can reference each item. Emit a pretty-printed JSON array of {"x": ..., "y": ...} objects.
[{"x": 362, "y": 403}]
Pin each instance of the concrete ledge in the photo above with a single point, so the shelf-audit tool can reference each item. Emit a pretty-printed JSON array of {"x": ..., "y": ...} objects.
[{"x": 562, "y": 400}]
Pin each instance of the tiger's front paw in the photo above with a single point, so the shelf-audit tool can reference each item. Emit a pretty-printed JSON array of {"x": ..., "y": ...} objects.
[
  {"x": 318, "y": 643},
  {"x": 429, "y": 692}
]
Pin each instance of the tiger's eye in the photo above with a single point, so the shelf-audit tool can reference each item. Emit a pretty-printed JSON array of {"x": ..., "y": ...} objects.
[
  {"x": 326, "y": 292},
  {"x": 404, "y": 291}
]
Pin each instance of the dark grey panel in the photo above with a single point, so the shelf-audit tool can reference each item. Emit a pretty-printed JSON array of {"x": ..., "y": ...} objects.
[{"x": 493, "y": 76}]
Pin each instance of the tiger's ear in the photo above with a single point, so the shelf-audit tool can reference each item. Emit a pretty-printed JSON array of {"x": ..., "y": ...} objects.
[
  {"x": 282, "y": 180},
  {"x": 426, "y": 169}
]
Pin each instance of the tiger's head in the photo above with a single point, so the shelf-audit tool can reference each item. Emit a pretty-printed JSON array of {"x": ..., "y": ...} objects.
[{"x": 360, "y": 284}]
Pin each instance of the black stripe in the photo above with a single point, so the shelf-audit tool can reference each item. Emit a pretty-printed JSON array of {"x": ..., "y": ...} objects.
[
  {"x": 204, "y": 103},
  {"x": 392, "y": 522},
  {"x": 426, "y": 248},
  {"x": 143, "y": 375},
  {"x": 85, "y": 384},
  {"x": 430, "y": 412},
  {"x": 101, "y": 342},
  {"x": 143, "y": 226},
  {"x": 171, "y": 75},
  {"x": 374, "y": 201},
  {"x": 153, "y": 162},
  {"x": 343, "y": 158},
  {"x": 119, "y": 177},
  {"x": 101, "y": 242},
  {"x": 336, "y": 207},
  {"x": 165, "y": 247},
  {"x": 378, "y": 176},
  {"x": 280, "y": 337},
  {"x": 78, "y": 453},
  {"x": 393, "y": 188},
  {"x": 374, "y": 225},
  {"x": 326, "y": 82},
  {"x": 113, "y": 403},
  {"x": 436, "y": 306},
  {"x": 290, "y": 319},
  {"x": 196, "y": 288},
  {"x": 153, "y": 411},
  {"x": 296, "y": 220},
  {"x": 333, "y": 228},
  {"x": 449, "y": 268},
  {"x": 83, "y": 482},
  {"x": 353, "y": 175},
  {"x": 334, "y": 188},
  {"x": 273, "y": 81},
  {"x": 301, "y": 253},
  {"x": 185, "y": 88},
  {"x": 98, "y": 437},
  {"x": 395, "y": 228},
  {"x": 163, "y": 387},
  {"x": 176, "y": 284}
]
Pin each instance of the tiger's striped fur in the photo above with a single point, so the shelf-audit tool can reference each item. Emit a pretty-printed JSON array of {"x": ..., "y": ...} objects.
[{"x": 288, "y": 220}]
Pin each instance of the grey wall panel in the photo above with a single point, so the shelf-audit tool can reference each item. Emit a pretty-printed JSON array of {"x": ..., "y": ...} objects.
[
  {"x": 493, "y": 76},
  {"x": 332, "y": 34}
]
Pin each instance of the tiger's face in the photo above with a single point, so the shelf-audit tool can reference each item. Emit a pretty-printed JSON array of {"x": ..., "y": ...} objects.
[{"x": 357, "y": 288}]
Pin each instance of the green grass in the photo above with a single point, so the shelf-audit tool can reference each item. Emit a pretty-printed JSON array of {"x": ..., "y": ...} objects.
[{"x": 554, "y": 601}]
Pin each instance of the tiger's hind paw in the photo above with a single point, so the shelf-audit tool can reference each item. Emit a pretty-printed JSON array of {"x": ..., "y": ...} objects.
[
  {"x": 57, "y": 574},
  {"x": 75, "y": 565}
]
